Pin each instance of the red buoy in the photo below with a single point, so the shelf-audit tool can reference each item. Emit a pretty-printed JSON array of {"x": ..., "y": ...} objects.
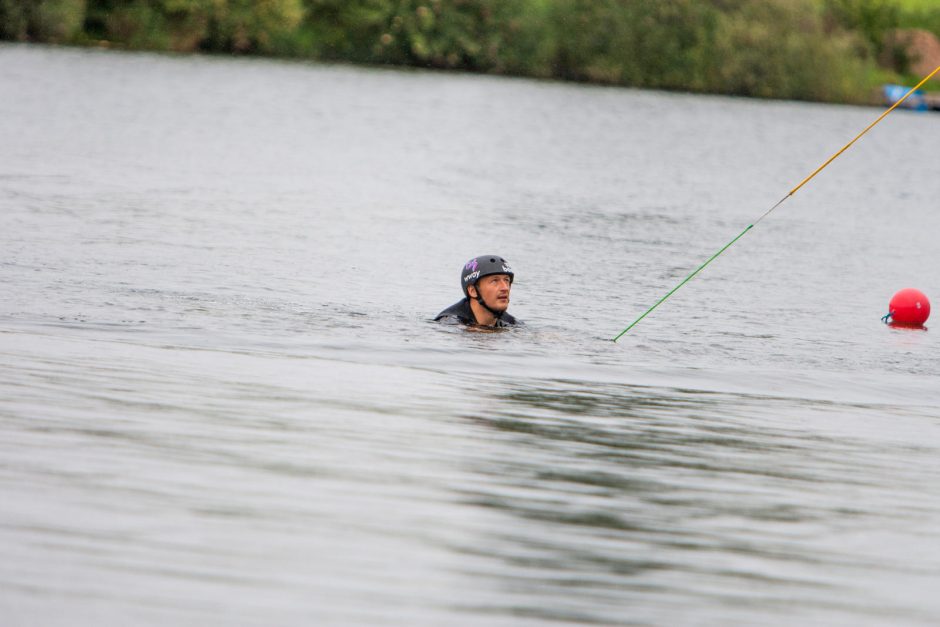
[{"x": 909, "y": 308}]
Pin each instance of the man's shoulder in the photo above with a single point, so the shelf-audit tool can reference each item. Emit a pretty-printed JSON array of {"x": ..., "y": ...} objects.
[{"x": 458, "y": 312}]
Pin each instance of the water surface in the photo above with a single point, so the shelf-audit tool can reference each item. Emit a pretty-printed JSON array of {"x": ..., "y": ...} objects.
[{"x": 222, "y": 401}]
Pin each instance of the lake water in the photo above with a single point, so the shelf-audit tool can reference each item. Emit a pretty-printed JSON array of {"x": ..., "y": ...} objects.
[{"x": 222, "y": 401}]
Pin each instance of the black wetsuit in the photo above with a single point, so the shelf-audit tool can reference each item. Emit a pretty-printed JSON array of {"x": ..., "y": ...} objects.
[{"x": 460, "y": 313}]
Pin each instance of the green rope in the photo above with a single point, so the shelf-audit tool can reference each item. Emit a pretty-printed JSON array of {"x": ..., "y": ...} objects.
[{"x": 686, "y": 280}]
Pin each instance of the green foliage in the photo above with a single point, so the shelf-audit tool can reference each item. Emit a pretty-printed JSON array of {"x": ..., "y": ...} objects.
[
  {"x": 241, "y": 26},
  {"x": 645, "y": 43},
  {"x": 926, "y": 17},
  {"x": 14, "y": 20},
  {"x": 264, "y": 26},
  {"x": 138, "y": 25},
  {"x": 466, "y": 34},
  {"x": 58, "y": 20},
  {"x": 871, "y": 18},
  {"x": 784, "y": 49},
  {"x": 54, "y": 21}
]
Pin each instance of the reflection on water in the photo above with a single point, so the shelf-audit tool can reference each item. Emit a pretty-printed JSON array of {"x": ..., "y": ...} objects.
[{"x": 637, "y": 504}]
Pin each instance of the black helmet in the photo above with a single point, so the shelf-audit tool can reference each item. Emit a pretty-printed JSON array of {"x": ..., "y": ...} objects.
[{"x": 482, "y": 266}]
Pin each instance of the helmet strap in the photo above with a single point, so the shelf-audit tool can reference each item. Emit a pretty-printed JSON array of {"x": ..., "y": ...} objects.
[{"x": 479, "y": 298}]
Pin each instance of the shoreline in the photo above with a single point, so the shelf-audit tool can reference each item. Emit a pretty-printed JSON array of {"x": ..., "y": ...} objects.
[
  {"x": 803, "y": 50},
  {"x": 877, "y": 99}
]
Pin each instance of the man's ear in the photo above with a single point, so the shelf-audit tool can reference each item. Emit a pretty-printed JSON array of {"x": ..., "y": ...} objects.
[{"x": 472, "y": 290}]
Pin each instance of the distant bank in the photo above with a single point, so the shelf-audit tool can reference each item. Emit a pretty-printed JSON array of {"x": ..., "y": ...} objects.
[{"x": 819, "y": 50}]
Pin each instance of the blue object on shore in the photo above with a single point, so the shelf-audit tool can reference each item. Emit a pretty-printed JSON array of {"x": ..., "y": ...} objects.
[{"x": 916, "y": 101}]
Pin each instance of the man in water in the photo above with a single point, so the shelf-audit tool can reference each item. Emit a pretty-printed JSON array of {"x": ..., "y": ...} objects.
[{"x": 486, "y": 283}]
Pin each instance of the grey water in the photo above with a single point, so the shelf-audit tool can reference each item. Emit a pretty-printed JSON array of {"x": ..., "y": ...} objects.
[{"x": 222, "y": 401}]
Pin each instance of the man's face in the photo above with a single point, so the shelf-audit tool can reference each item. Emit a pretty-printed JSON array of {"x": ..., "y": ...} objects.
[{"x": 495, "y": 291}]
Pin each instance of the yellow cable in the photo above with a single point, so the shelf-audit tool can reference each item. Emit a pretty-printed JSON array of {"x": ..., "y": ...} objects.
[
  {"x": 780, "y": 202},
  {"x": 870, "y": 126}
]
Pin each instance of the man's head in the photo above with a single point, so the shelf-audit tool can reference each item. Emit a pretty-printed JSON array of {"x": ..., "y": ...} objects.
[
  {"x": 488, "y": 280},
  {"x": 493, "y": 291}
]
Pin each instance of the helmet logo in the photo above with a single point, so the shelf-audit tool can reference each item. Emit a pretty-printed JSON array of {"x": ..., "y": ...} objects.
[
  {"x": 506, "y": 268},
  {"x": 473, "y": 276},
  {"x": 471, "y": 265}
]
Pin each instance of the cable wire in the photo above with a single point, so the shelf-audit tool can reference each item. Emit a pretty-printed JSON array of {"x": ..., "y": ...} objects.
[{"x": 781, "y": 201}]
